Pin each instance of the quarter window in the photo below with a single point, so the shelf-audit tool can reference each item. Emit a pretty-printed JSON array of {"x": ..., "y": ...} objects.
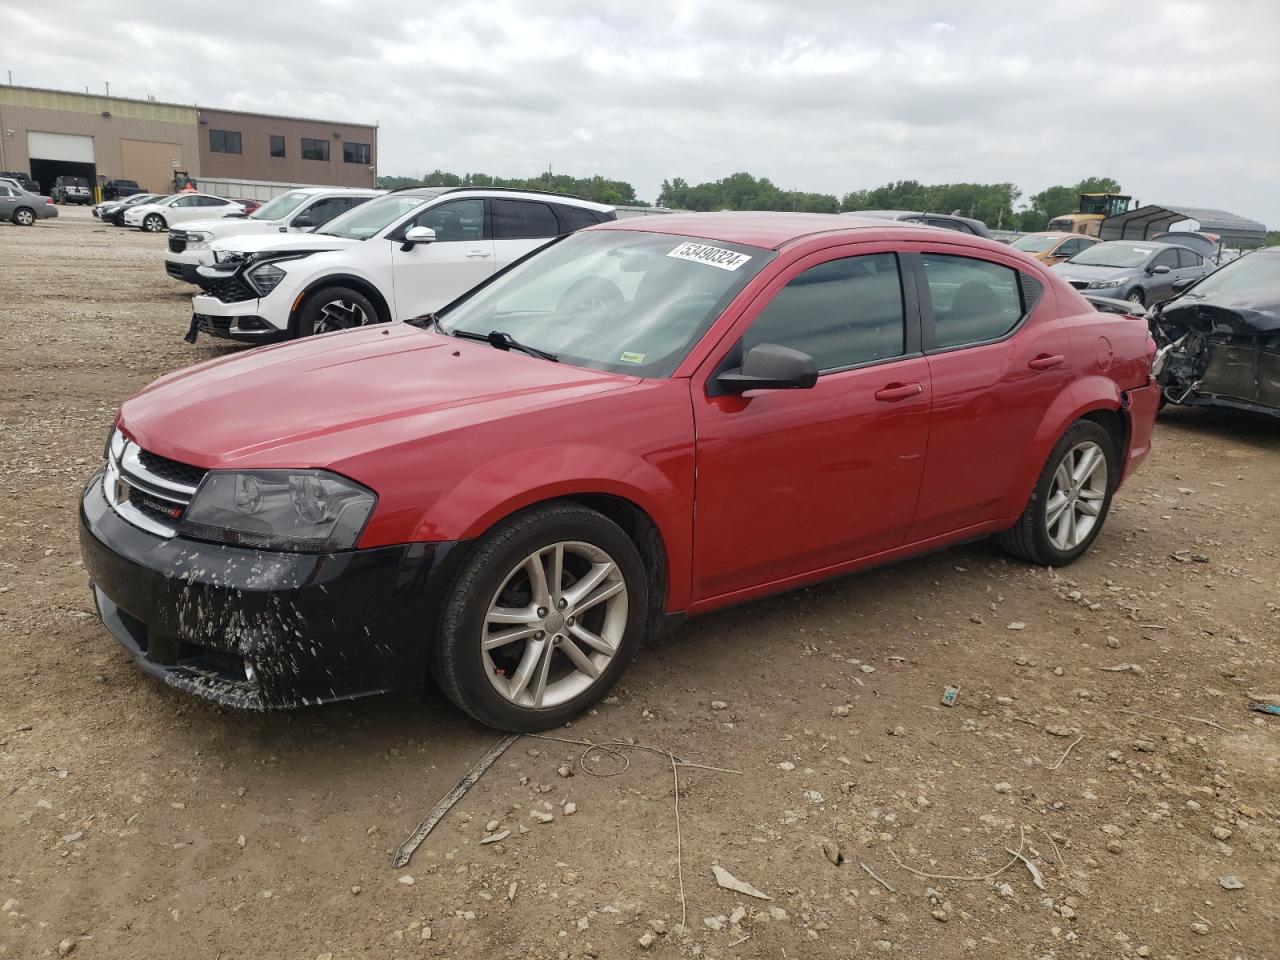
[
  {"x": 315, "y": 149},
  {"x": 224, "y": 141},
  {"x": 842, "y": 313},
  {"x": 973, "y": 300},
  {"x": 522, "y": 220},
  {"x": 355, "y": 153},
  {"x": 573, "y": 218},
  {"x": 277, "y": 145}
]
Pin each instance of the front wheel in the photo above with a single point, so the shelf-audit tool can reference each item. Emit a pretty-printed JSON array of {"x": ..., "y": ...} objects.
[
  {"x": 335, "y": 308},
  {"x": 24, "y": 216},
  {"x": 1070, "y": 501},
  {"x": 153, "y": 223},
  {"x": 1137, "y": 298},
  {"x": 542, "y": 619}
]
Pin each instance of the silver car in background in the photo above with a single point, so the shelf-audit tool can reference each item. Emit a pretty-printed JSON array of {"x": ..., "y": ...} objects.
[{"x": 22, "y": 206}]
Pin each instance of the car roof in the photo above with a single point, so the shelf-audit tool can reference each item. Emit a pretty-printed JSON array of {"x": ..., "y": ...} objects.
[
  {"x": 767, "y": 230},
  {"x": 1053, "y": 233},
  {"x": 517, "y": 193},
  {"x": 1152, "y": 245},
  {"x": 885, "y": 214}
]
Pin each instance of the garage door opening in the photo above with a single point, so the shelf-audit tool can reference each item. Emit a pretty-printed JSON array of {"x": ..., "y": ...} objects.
[{"x": 44, "y": 172}]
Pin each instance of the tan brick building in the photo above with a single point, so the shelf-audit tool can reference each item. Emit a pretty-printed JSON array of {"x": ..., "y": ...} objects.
[{"x": 52, "y": 133}]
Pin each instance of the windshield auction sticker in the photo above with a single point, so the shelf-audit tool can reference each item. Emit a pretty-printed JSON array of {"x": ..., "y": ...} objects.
[{"x": 711, "y": 256}]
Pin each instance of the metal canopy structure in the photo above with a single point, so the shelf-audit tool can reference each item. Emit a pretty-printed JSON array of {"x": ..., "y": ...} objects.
[{"x": 1144, "y": 222}]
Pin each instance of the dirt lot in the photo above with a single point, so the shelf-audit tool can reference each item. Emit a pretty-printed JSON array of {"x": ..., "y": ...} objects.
[{"x": 137, "y": 823}]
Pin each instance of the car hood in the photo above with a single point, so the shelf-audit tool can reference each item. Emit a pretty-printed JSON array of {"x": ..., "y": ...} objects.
[
  {"x": 1076, "y": 271},
  {"x": 275, "y": 241},
  {"x": 1237, "y": 312},
  {"x": 328, "y": 399},
  {"x": 228, "y": 226}
]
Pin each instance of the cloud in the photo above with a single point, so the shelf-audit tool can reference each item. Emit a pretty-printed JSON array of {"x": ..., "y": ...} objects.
[{"x": 1174, "y": 99}]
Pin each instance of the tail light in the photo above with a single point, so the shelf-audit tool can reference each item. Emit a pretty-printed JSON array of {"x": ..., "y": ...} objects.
[{"x": 48, "y": 201}]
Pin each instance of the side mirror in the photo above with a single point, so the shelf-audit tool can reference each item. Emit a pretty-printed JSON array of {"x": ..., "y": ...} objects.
[
  {"x": 1160, "y": 270},
  {"x": 416, "y": 235},
  {"x": 768, "y": 366},
  {"x": 1182, "y": 283},
  {"x": 303, "y": 221}
]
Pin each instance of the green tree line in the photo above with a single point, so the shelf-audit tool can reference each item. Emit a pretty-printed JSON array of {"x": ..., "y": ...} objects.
[{"x": 996, "y": 204}]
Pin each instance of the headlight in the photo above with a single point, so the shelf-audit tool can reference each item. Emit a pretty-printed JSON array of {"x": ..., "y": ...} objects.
[
  {"x": 198, "y": 239},
  {"x": 228, "y": 256},
  {"x": 265, "y": 277},
  {"x": 302, "y": 511},
  {"x": 1103, "y": 284}
]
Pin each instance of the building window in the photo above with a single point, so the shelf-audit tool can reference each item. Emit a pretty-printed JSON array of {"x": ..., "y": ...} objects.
[
  {"x": 277, "y": 145},
  {"x": 224, "y": 141},
  {"x": 315, "y": 149},
  {"x": 355, "y": 153}
]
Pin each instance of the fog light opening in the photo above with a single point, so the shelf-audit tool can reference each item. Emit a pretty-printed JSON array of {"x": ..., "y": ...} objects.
[{"x": 250, "y": 671}]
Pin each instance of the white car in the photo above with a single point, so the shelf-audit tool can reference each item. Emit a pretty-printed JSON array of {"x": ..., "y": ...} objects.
[
  {"x": 394, "y": 258},
  {"x": 179, "y": 208},
  {"x": 292, "y": 212}
]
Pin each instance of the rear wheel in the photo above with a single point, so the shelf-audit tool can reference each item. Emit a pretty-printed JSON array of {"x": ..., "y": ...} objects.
[
  {"x": 1070, "y": 501},
  {"x": 24, "y": 216},
  {"x": 336, "y": 308},
  {"x": 153, "y": 223},
  {"x": 542, "y": 619}
]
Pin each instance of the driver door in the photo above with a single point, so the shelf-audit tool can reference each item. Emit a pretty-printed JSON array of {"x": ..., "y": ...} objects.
[{"x": 428, "y": 275}]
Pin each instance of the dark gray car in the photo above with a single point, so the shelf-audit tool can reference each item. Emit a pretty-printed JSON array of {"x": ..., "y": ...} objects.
[
  {"x": 1140, "y": 271},
  {"x": 23, "y": 207}
]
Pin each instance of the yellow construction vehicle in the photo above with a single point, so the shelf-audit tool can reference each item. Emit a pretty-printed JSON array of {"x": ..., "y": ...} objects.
[{"x": 1091, "y": 211}]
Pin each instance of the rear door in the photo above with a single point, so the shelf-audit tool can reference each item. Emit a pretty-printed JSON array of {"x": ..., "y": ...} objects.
[
  {"x": 520, "y": 226},
  {"x": 428, "y": 275},
  {"x": 791, "y": 482},
  {"x": 998, "y": 356}
]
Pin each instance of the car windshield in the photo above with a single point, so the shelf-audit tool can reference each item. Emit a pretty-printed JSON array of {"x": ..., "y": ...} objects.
[
  {"x": 280, "y": 207},
  {"x": 616, "y": 300},
  {"x": 368, "y": 219},
  {"x": 1033, "y": 244},
  {"x": 1117, "y": 254},
  {"x": 1257, "y": 272}
]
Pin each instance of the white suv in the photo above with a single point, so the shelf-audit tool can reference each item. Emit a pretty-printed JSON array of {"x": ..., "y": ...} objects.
[
  {"x": 179, "y": 208},
  {"x": 293, "y": 212},
  {"x": 397, "y": 257}
]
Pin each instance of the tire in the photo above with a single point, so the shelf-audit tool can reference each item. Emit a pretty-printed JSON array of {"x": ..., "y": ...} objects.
[
  {"x": 1138, "y": 297},
  {"x": 153, "y": 223},
  {"x": 336, "y": 308},
  {"x": 496, "y": 575},
  {"x": 1034, "y": 538},
  {"x": 24, "y": 216}
]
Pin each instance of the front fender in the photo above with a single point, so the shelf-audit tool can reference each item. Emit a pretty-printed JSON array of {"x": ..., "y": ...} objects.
[
  {"x": 510, "y": 483},
  {"x": 1087, "y": 395}
]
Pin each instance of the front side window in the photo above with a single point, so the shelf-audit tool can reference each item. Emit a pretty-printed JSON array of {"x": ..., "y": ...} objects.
[
  {"x": 1166, "y": 258},
  {"x": 617, "y": 300},
  {"x": 370, "y": 219},
  {"x": 277, "y": 145},
  {"x": 188, "y": 201},
  {"x": 452, "y": 221},
  {"x": 224, "y": 141},
  {"x": 842, "y": 313},
  {"x": 522, "y": 220},
  {"x": 356, "y": 153},
  {"x": 315, "y": 149},
  {"x": 280, "y": 207},
  {"x": 1070, "y": 248},
  {"x": 974, "y": 301}
]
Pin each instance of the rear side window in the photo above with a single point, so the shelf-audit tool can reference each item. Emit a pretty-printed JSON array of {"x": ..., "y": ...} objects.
[
  {"x": 573, "y": 218},
  {"x": 842, "y": 313},
  {"x": 1189, "y": 258},
  {"x": 973, "y": 300},
  {"x": 522, "y": 220}
]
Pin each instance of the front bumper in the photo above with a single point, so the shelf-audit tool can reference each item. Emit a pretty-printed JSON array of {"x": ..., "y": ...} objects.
[
  {"x": 316, "y": 627},
  {"x": 183, "y": 266},
  {"x": 249, "y": 321}
]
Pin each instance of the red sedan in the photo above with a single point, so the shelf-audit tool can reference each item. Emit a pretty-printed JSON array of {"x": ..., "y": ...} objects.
[{"x": 644, "y": 420}]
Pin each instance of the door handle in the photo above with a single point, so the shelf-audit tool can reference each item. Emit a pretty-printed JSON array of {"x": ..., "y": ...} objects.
[
  {"x": 1045, "y": 361},
  {"x": 477, "y": 254},
  {"x": 899, "y": 391}
]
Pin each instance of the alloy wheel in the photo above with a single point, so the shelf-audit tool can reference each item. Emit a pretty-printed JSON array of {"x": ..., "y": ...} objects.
[
  {"x": 152, "y": 224},
  {"x": 340, "y": 315},
  {"x": 1076, "y": 496},
  {"x": 554, "y": 625},
  {"x": 24, "y": 218}
]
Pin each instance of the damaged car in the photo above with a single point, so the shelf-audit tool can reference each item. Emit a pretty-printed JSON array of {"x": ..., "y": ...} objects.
[
  {"x": 1218, "y": 341},
  {"x": 645, "y": 420}
]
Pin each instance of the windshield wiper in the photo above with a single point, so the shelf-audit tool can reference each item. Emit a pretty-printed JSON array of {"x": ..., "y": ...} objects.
[{"x": 502, "y": 341}]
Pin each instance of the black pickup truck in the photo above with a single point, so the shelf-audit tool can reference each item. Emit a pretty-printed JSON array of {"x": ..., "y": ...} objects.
[{"x": 118, "y": 189}]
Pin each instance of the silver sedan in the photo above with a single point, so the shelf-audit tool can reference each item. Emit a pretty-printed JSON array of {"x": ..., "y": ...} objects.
[{"x": 23, "y": 207}]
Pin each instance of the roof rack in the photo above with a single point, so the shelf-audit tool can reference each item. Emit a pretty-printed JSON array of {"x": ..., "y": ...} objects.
[{"x": 548, "y": 193}]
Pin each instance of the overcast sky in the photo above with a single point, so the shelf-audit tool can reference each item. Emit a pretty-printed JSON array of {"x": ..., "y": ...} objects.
[{"x": 1177, "y": 100}]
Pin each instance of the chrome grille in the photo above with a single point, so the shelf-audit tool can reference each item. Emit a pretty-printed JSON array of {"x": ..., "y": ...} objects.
[{"x": 147, "y": 490}]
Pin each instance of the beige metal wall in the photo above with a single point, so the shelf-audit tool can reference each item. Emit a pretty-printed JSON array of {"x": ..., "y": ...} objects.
[
  {"x": 151, "y": 163},
  {"x": 109, "y": 120},
  {"x": 254, "y": 162}
]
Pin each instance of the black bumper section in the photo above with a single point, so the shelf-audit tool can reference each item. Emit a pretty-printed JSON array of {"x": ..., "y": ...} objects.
[{"x": 315, "y": 627}]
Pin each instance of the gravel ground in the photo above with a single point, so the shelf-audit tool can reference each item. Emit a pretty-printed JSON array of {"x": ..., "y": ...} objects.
[{"x": 137, "y": 823}]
